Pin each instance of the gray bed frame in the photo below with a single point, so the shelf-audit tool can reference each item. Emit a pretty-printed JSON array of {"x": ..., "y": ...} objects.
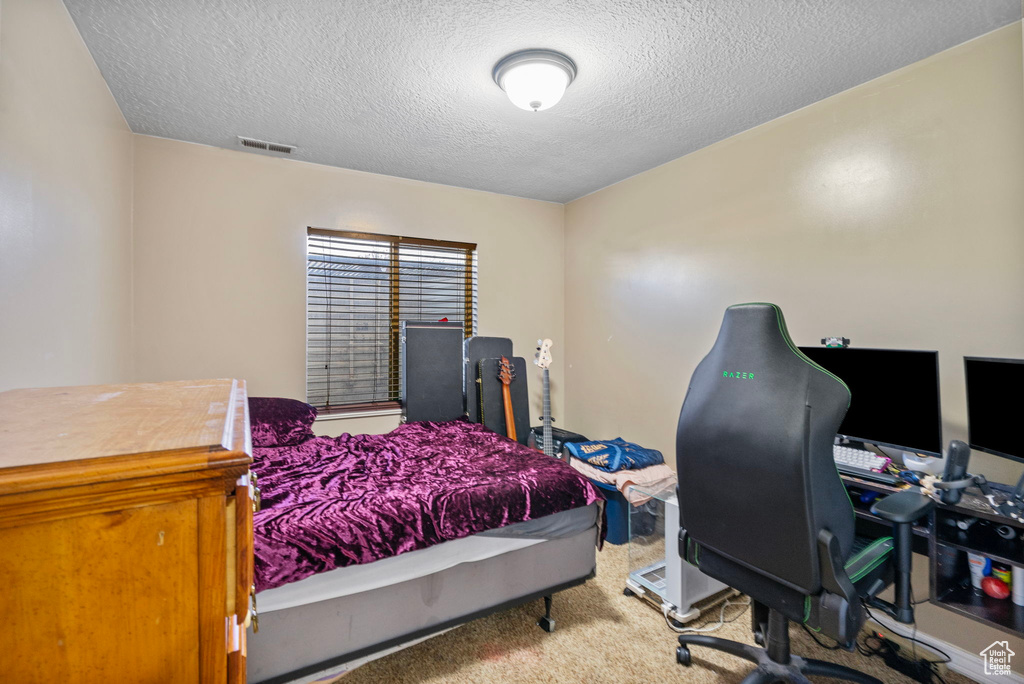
[{"x": 306, "y": 640}]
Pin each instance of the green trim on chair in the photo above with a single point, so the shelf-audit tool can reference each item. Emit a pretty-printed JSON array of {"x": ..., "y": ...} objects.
[
  {"x": 806, "y": 359},
  {"x": 693, "y": 552},
  {"x": 871, "y": 567},
  {"x": 863, "y": 552}
]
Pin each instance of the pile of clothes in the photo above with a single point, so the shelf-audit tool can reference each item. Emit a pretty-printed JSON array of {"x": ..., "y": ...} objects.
[{"x": 628, "y": 467}]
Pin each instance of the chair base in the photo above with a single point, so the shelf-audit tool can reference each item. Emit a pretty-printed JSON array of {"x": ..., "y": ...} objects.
[{"x": 774, "y": 663}]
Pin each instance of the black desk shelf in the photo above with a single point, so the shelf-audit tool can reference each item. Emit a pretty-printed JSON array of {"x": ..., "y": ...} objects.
[
  {"x": 984, "y": 541},
  {"x": 947, "y": 546},
  {"x": 1003, "y": 614},
  {"x": 996, "y": 558}
]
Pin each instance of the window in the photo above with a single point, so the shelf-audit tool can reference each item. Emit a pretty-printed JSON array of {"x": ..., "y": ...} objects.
[{"x": 359, "y": 287}]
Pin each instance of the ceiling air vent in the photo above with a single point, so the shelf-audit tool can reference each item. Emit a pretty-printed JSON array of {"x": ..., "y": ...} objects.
[{"x": 255, "y": 144}]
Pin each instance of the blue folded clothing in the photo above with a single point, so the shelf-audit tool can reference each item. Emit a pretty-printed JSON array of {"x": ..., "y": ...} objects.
[{"x": 614, "y": 455}]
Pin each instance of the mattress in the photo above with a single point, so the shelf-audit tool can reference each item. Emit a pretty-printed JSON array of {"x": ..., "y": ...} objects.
[
  {"x": 356, "y": 579},
  {"x": 327, "y": 637}
]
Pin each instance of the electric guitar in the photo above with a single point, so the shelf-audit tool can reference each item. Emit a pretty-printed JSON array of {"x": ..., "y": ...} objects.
[
  {"x": 543, "y": 359},
  {"x": 507, "y": 373}
]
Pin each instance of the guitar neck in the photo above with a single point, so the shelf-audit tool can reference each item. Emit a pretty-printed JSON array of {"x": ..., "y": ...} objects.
[
  {"x": 548, "y": 444},
  {"x": 510, "y": 421}
]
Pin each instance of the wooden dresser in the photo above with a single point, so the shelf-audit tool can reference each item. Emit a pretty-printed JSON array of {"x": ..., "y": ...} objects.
[{"x": 125, "y": 533}]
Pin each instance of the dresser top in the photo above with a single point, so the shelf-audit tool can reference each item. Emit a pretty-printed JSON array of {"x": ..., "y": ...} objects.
[{"x": 72, "y": 435}]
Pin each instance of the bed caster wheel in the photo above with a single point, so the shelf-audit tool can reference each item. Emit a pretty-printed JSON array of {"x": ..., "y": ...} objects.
[
  {"x": 676, "y": 623},
  {"x": 628, "y": 592},
  {"x": 759, "y": 638},
  {"x": 683, "y": 656},
  {"x": 547, "y": 624}
]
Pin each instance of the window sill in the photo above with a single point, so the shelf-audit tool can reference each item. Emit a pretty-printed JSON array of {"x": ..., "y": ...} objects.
[{"x": 346, "y": 415}]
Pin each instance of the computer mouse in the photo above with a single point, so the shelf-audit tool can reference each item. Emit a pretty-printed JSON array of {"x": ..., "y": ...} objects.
[{"x": 910, "y": 476}]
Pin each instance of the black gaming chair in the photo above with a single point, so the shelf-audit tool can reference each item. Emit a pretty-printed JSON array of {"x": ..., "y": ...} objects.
[{"x": 763, "y": 509}]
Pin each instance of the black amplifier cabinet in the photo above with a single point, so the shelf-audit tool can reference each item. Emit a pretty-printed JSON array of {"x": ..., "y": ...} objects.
[
  {"x": 559, "y": 438},
  {"x": 432, "y": 370}
]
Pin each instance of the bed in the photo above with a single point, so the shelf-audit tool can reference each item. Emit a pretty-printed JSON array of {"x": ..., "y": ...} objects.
[{"x": 368, "y": 542}]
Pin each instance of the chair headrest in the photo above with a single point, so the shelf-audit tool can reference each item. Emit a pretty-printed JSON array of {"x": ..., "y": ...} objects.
[{"x": 752, "y": 326}]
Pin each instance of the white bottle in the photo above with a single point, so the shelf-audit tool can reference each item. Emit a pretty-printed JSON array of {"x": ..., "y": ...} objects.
[
  {"x": 1018, "y": 585},
  {"x": 980, "y": 566}
]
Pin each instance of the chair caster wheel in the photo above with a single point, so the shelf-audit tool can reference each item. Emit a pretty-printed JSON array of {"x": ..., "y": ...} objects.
[
  {"x": 547, "y": 624},
  {"x": 683, "y": 656},
  {"x": 628, "y": 592},
  {"x": 759, "y": 638}
]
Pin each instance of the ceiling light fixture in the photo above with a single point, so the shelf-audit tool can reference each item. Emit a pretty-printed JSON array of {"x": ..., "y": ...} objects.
[{"x": 534, "y": 79}]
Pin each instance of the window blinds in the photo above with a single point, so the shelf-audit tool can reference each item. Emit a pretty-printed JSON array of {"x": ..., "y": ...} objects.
[{"x": 359, "y": 287}]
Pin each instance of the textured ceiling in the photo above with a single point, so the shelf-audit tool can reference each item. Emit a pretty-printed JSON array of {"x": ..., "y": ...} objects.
[{"x": 403, "y": 87}]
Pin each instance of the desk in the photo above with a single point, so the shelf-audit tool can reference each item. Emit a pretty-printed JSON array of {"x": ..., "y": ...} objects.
[{"x": 946, "y": 546}]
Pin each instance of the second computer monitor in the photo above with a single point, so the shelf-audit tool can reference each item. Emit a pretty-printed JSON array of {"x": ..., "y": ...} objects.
[
  {"x": 995, "y": 405},
  {"x": 894, "y": 395}
]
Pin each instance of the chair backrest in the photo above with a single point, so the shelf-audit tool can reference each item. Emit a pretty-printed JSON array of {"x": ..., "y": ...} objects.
[{"x": 757, "y": 479}]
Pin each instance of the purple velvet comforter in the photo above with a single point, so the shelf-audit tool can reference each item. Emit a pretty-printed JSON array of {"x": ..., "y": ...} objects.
[{"x": 333, "y": 502}]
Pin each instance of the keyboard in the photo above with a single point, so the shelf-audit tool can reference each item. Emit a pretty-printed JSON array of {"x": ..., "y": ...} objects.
[{"x": 862, "y": 463}]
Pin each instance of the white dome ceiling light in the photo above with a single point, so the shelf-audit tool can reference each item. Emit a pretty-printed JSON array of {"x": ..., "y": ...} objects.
[{"x": 534, "y": 79}]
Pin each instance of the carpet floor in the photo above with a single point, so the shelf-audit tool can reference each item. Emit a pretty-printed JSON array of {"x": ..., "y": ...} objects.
[{"x": 600, "y": 636}]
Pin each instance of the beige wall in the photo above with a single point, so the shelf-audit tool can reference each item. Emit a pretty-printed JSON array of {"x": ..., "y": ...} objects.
[
  {"x": 65, "y": 207},
  {"x": 220, "y": 245},
  {"x": 891, "y": 214}
]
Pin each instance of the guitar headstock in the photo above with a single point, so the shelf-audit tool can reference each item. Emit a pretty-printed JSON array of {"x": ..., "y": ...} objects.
[
  {"x": 543, "y": 356},
  {"x": 506, "y": 371}
]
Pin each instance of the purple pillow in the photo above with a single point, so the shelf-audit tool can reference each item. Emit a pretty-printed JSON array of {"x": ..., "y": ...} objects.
[{"x": 280, "y": 422}]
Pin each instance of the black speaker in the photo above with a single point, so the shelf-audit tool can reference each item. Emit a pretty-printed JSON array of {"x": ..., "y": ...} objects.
[
  {"x": 432, "y": 371},
  {"x": 559, "y": 438}
]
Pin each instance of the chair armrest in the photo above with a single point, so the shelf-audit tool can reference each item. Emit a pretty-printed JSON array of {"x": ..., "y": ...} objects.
[{"x": 903, "y": 507}]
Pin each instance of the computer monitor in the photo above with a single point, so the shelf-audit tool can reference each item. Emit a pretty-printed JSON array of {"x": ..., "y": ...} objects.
[
  {"x": 995, "y": 406},
  {"x": 894, "y": 396}
]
